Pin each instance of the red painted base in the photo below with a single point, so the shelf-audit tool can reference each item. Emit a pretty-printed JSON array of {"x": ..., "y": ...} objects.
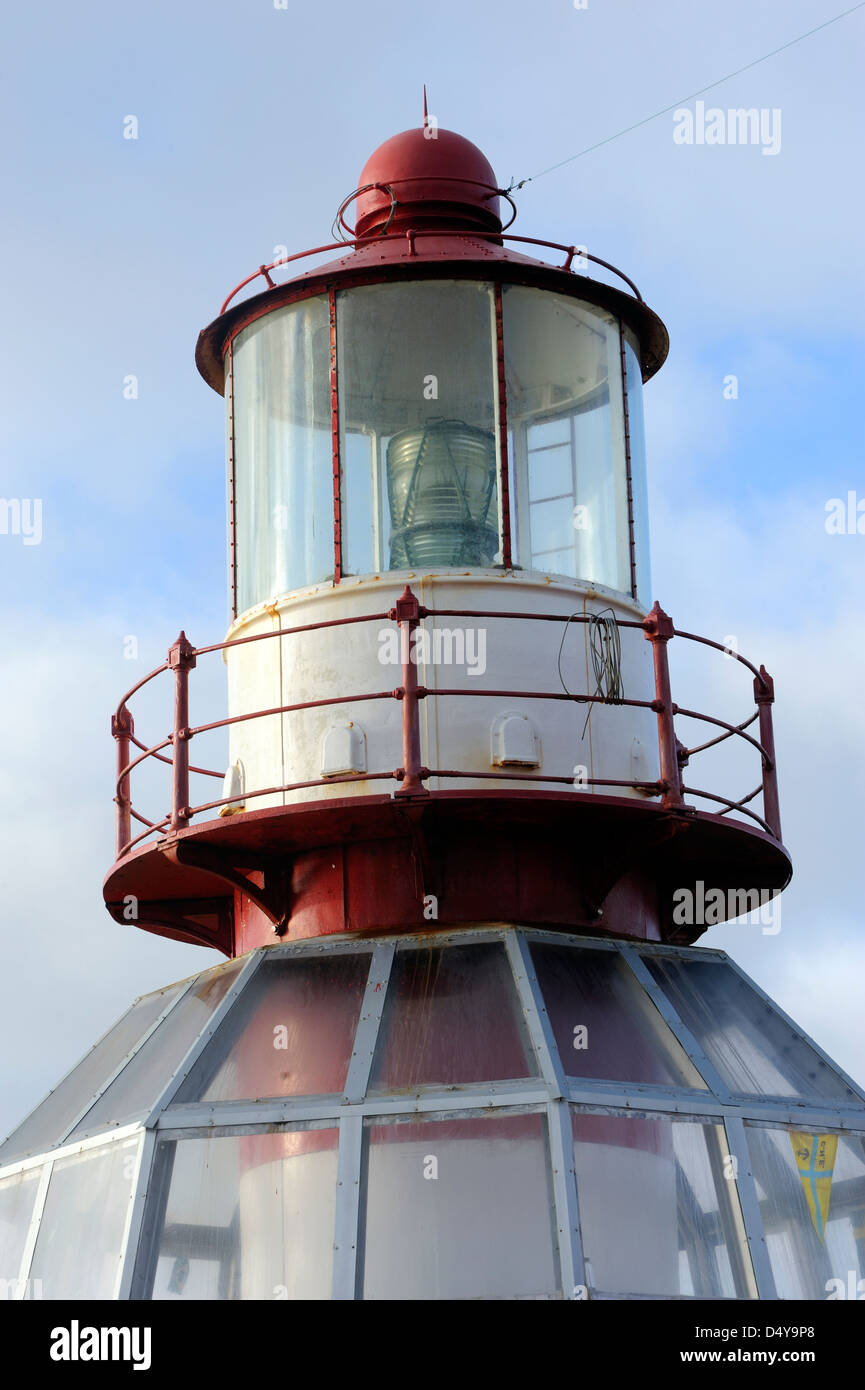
[{"x": 557, "y": 859}]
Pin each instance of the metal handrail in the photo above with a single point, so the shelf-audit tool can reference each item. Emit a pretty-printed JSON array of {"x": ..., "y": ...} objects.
[
  {"x": 731, "y": 730},
  {"x": 411, "y": 234},
  {"x": 408, "y": 613}
]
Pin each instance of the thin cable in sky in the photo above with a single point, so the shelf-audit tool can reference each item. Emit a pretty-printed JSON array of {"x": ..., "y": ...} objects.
[{"x": 673, "y": 105}]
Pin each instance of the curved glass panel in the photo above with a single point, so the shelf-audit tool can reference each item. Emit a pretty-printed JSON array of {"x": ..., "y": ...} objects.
[
  {"x": 80, "y": 1242},
  {"x": 417, "y": 416},
  {"x": 606, "y": 1026},
  {"x": 566, "y": 427},
  {"x": 289, "y": 1034},
  {"x": 450, "y": 1203},
  {"x": 50, "y": 1121},
  {"x": 283, "y": 471},
  {"x": 639, "y": 485},
  {"x": 430, "y": 1029},
  {"x": 811, "y": 1190},
  {"x": 754, "y": 1050},
  {"x": 657, "y": 1213},
  {"x": 245, "y": 1217}
]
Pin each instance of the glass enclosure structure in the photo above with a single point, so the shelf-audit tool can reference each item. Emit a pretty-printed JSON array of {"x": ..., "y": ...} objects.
[
  {"x": 435, "y": 423},
  {"x": 489, "y": 1113}
]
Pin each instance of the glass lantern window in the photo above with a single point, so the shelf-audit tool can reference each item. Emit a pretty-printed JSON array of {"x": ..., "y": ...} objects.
[
  {"x": 418, "y": 417},
  {"x": 282, "y": 454},
  {"x": 417, "y": 398},
  {"x": 566, "y": 429}
]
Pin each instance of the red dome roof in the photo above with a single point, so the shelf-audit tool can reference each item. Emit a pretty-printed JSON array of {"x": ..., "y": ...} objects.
[{"x": 427, "y": 176}]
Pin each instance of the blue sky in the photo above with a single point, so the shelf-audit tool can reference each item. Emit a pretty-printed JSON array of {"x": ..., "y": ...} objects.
[{"x": 253, "y": 124}]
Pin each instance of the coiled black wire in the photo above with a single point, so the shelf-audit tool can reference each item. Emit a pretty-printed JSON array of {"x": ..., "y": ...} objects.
[{"x": 605, "y": 649}]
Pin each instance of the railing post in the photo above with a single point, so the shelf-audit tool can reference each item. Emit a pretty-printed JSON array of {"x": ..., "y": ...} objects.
[
  {"x": 408, "y": 614},
  {"x": 181, "y": 659},
  {"x": 764, "y": 695},
  {"x": 658, "y": 629},
  {"x": 122, "y": 727}
]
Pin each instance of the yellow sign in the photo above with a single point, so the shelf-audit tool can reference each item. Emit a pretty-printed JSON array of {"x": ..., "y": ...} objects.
[{"x": 815, "y": 1159}]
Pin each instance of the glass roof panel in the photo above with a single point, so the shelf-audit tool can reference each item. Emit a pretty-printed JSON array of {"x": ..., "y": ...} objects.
[
  {"x": 49, "y": 1122},
  {"x": 289, "y": 1034},
  {"x": 452, "y": 1016},
  {"x": 753, "y": 1049},
  {"x": 137, "y": 1088},
  {"x": 606, "y": 1026}
]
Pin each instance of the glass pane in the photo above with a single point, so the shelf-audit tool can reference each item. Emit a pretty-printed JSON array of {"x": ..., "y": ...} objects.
[
  {"x": 563, "y": 363},
  {"x": 417, "y": 425},
  {"x": 80, "y": 1242},
  {"x": 452, "y": 1016},
  {"x": 17, "y": 1195},
  {"x": 558, "y": 561},
  {"x": 753, "y": 1049},
  {"x": 657, "y": 1213},
  {"x": 552, "y": 530},
  {"x": 550, "y": 472},
  {"x": 49, "y": 1122},
  {"x": 639, "y": 484},
  {"x": 459, "y": 1209},
  {"x": 811, "y": 1189},
  {"x": 550, "y": 432},
  {"x": 606, "y": 1026},
  {"x": 246, "y": 1217},
  {"x": 289, "y": 1034},
  {"x": 283, "y": 456},
  {"x": 139, "y": 1085}
]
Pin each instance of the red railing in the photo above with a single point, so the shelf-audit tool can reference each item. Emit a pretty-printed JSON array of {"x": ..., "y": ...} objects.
[
  {"x": 408, "y": 613},
  {"x": 412, "y": 235}
]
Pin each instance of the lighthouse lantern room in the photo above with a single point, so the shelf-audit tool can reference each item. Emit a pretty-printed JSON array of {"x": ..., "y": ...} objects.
[{"x": 452, "y": 835}]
